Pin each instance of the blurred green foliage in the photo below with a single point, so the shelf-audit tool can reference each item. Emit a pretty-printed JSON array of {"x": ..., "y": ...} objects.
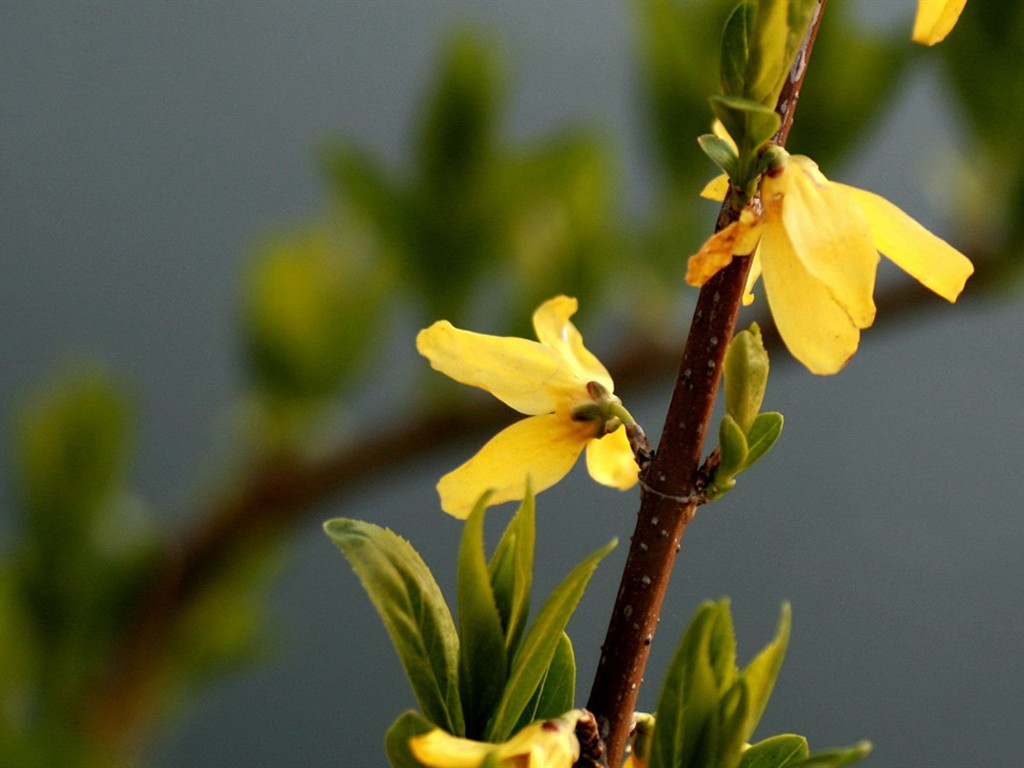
[{"x": 472, "y": 220}]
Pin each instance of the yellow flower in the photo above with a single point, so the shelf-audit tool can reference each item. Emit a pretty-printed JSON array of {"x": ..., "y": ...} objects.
[
  {"x": 935, "y": 19},
  {"x": 565, "y": 392},
  {"x": 817, "y": 250},
  {"x": 544, "y": 744}
]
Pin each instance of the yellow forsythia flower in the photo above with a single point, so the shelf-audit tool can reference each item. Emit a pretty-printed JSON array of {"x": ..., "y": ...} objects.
[
  {"x": 935, "y": 19},
  {"x": 565, "y": 392},
  {"x": 544, "y": 744},
  {"x": 817, "y": 249}
]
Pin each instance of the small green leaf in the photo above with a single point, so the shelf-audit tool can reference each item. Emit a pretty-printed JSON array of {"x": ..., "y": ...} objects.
[
  {"x": 459, "y": 128},
  {"x": 533, "y": 659},
  {"x": 482, "y": 662},
  {"x": 775, "y": 752},
  {"x": 777, "y": 32},
  {"x": 733, "y": 445},
  {"x": 501, "y": 571},
  {"x": 736, "y": 48},
  {"x": 311, "y": 310},
  {"x": 511, "y": 572},
  {"x": 721, "y": 153},
  {"x": 73, "y": 446},
  {"x": 749, "y": 123},
  {"x": 526, "y": 535},
  {"x": 413, "y": 610},
  {"x": 746, "y": 376},
  {"x": 557, "y": 692},
  {"x": 721, "y": 647},
  {"x": 396, "y": 741},
  {"x": 834, "y": 758},
  {"x": 767, "y": 66},
  {"x": 761, "y": 673},
  {"x": 763, "y": 434},
  {"x": 732, "y": 714}
]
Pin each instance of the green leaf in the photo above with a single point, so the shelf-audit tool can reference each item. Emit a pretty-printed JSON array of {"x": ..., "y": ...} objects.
[
  {"x": 84, "y": 543},
  {"x": 777, "y": 32},
  {"x": 557, "y": 692},
  {"x": 761, "y": 673},
  {"x": 763, "y": 434},
  {"x": 512, "y": 589},
  {"x": 736, "y": 48},
  {"x": 73, "y": 446},
  {"x": 396, "y": 741},
  {"x": 413, "y": 610},
  {"x": 766, "y": 63},
  {"x": 533, "y": 659},
  {"x": 482, "y": 661},
  {"x": 687, "y": 709},
  {"x": 748, "y": 123},
  {"x": 721, "y": 647},
  {"x": 362, "y": 184},
  {"x": 746, "y": 376},
  {"x": 459, "y": 131},
  {"x": 732, "y": 714},
  {"x": 733, "y": 445},
  {"x": 721, "y": 153},
  {"x": 501, "y": 570},
  {"x": 775, "y": 752},
  {"x": 311, "y": 311},
  {"x": 834, "y": 758}
]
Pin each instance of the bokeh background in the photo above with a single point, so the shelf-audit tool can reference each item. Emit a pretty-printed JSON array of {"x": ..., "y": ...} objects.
[{"x": 147, "y": 151}]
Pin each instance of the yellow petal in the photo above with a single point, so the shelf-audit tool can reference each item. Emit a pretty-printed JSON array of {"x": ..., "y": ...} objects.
[
  {"x": 610, "y": 460},
  {"x": 935, "y": 263},
  {"x": 818, "y": 332},
  {"x": 439, "y": 749},
  {"x": 555, "y": 331},
  {"x": 752, "y": 277},
  {"x": 935, "y": 19},
  {"x": 740, "y": 237},
  {"x": 543, "y": 448},
  {"x": 544, "y": 744},
  {"x": 829, "y": 234},
  {"x": 716, "y": 189},
  {"x": 523, "y": 374}
]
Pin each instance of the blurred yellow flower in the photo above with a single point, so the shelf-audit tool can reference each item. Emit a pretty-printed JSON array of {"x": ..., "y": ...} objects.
[
  {"x": 817, "y": 245},
  {"x": 563, "y": 389},
  {"x": 935, "y": 19},
  {"x": 544, "y": 744}
]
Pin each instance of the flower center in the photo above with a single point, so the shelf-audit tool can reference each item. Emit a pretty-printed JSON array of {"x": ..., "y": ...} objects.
[{"x": 604, "y": 410}]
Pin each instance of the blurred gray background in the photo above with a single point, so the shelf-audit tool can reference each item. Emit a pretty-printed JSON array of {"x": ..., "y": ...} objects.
[{"x": 144, "y": 147}]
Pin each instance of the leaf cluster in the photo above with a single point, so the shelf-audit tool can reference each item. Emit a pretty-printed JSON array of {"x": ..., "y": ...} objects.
[
  {"x": 496, "y": 672},
  {"x": 84, "y": 554},
  {"x": 745, "y": 434},
  {"x": 709, "y": 708}
]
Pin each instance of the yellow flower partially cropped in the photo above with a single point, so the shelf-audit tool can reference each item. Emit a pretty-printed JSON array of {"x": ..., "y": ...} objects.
[
  {"x": 817, "y": 245},
  {"x": 935, "y": 19},
  {"x": 563, "y": 389},
  {"x": 544, "y": 744}
]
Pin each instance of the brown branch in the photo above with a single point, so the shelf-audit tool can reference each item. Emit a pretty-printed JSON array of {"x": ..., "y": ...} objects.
[{"x": 672, "y": 484}]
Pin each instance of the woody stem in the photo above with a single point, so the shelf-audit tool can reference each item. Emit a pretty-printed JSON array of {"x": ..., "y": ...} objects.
[{"x": 672, "y": 483}]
